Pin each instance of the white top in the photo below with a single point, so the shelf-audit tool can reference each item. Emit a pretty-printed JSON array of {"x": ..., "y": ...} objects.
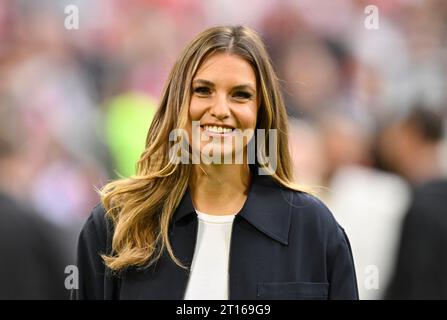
[{"x": 209, "y": 270}]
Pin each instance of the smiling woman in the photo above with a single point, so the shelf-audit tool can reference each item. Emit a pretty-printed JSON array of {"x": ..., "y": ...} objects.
[{"x": 215, "y": 231}]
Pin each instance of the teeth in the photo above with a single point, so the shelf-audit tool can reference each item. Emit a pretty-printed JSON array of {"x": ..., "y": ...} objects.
[{"x": 216, "y": 129}]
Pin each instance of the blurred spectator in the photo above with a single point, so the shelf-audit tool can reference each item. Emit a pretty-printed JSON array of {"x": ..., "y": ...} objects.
[
  {"x": 312, "y": 77},
  {"x": 33, "y": 261},
  {"x": 33, "y": 257},
  {"x": 411, "y": 146},
  {"x": 367, "y": 202}
]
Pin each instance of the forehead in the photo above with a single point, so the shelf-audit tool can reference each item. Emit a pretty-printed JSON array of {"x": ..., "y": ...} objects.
[{"x": 226, "y": 68}]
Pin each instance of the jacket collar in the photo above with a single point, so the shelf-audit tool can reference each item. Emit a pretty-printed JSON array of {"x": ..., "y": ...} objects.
[{"x": 267, "y": 207}]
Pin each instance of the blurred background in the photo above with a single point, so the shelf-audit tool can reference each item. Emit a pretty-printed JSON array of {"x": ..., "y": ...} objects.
[{"x": 367, "y": 110}]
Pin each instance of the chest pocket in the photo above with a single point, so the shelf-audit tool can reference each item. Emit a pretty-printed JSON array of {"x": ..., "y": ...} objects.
[{"x": 292, "y": 290}]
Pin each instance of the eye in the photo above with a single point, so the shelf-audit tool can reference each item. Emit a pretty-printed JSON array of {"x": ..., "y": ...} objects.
[
  {"x": 202, "y": 91},
  {"x": 242, "y": 95}
]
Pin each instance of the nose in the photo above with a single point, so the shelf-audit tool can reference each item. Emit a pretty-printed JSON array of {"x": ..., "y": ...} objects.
[{"x": 220, "y": 108}]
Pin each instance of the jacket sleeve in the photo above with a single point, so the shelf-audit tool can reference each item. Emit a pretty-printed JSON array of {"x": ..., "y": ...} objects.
[
  {"x": 94, "y": 283},
  {"x": 342, "y": 277}
]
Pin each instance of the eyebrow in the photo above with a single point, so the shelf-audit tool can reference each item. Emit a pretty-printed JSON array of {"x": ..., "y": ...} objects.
[{"x": 245, "y": 86}]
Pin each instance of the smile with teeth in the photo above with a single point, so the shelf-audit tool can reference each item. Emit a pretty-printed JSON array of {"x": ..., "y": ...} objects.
[{"x": 217, "y": 129}]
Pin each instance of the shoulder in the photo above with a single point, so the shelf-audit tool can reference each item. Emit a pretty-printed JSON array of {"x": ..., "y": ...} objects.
[
  {"x": 97, "y": 227},
  {"x": 307, "y": 206},
  {"x": 96, "y": 219},
  {"x": 311, "y": 215}
]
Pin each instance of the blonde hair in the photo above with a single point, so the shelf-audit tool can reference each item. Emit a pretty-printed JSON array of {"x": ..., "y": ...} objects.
[{"x": 141, "y": 207}]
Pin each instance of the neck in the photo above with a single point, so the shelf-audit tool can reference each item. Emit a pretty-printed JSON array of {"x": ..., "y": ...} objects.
[
  {"x": 428, "y": 167},
  {"x": 219, "y": 189}
]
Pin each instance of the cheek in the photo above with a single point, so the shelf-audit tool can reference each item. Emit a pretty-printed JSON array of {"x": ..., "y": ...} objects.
[
  {"x": 196, "y": 109},
  {"x": 247, "y": 116}
]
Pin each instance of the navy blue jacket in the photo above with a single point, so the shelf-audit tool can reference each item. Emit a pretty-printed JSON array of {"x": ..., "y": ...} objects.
[{"x": 284, "y": 245}]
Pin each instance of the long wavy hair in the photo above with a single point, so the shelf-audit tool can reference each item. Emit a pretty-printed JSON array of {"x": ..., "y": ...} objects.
[{"x": 141, "y": 207}]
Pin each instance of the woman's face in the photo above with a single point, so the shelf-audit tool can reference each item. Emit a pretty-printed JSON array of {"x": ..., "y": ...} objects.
[{"x": 223, "y": 99}]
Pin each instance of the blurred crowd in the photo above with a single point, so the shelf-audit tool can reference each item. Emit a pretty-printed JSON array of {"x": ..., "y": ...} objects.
[{"x": 367, "y": 110}]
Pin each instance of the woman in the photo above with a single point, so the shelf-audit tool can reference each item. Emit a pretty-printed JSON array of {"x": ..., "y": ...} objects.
[{"x": 192, "y": 227}]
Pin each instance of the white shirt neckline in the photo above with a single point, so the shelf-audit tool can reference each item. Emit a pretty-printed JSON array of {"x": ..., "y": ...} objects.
[{"x": 212, "y": 218}]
